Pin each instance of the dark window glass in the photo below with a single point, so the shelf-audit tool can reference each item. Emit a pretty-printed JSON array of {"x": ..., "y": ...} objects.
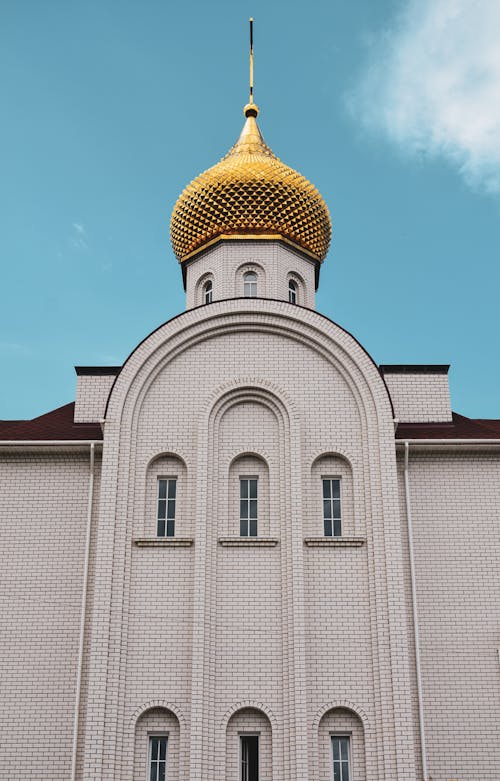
[
  {"x": 167, "y": 487},
  {"x": 332, "y": 515},
  {"x": 208, "y": 292},
  {"x": 249, "y": 757},
  {"x": 157, "y": 757},
  {"x": 292, "y": 292},
  {"x": 340, "y": 752},
  {"x": 248, "y": 506}
]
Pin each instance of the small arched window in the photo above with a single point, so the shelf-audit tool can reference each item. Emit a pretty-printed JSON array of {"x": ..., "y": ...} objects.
[
  {"x": 250, "y": 285},
  {"x": 292, "y": 291},
  {"x": 208, "y": 289}
]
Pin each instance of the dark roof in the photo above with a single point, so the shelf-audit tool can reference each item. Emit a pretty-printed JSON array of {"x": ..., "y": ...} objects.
[
  {"x": 459, "y": 427},
  {"x": 53, "y": 426},
  {"x": 58, "y": 425},
  {"x": 414, "y": 368},
  {"x": 95, "y": 371}
]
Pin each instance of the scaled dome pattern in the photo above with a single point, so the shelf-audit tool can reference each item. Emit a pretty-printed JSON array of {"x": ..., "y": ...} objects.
[{"x": 250, "y": 192}]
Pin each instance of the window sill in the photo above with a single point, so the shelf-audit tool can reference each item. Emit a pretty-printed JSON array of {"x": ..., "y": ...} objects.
[
  {"x": 248, "y": 542},
  {"x": 164, "y": 542},
  {"x": 334, "y": 542}
]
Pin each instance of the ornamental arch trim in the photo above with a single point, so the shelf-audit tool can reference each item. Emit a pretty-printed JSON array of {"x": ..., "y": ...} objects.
[
  {"x": 335, "y": 705},
  {"x": 158, "y": 703},
  {"x": 243, "y": 705},
  {"x": 332, "y": 346}
]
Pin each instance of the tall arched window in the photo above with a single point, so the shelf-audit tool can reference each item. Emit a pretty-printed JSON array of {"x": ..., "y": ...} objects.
[
  {"x": 250, "y": 285},
  {"x": 292, "y": 291},
  {"x": 208, "y": 292}
]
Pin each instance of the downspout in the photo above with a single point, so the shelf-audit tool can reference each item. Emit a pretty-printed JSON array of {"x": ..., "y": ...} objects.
[
  {"x": 82, "y": 616},
  {"x": 423, "y": 749}
]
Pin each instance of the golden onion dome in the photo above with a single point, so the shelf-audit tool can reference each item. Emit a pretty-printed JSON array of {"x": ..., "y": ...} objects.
[{"x": 250, "y": 193}]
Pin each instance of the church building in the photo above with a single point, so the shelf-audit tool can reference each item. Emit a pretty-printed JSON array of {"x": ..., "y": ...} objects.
[{"x": 250, "y": 553}]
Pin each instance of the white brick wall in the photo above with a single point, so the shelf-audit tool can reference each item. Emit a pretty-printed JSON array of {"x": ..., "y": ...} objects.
[
  {"x": 285, "y": 629},
  {"x": 207, "y": 641},
  {"x": 455, "y": 501},
  {"x": 419, "y": 398},
  {"x": 92, "y": 393},
  {"x": 43, "y": 503},
  {"x": 273, "y": 262}
]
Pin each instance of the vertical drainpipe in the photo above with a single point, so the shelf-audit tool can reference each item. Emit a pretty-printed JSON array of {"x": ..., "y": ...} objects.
[
  {"x": 423, "y": 749},
  {"x": 82, "y": 615}
]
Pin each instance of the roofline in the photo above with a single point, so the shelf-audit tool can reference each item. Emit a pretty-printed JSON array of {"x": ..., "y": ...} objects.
[
  {"x": 244, "y": 298},
  {"x": 49, "y": 442},
  {"x": 451, "y": 442},
  {"x": 414, "y": 368},
  {"x": 94, "y": 371}
]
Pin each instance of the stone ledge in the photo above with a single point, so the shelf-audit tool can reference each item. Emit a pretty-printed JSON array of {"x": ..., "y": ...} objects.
[
  {"x": 248, "y": 542},
  {"x": 334, "y": 542},
  {"x": 164, "y": 542}
]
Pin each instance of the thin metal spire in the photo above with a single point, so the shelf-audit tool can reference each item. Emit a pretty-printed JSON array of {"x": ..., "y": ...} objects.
[{"x": 251, "y": 60}]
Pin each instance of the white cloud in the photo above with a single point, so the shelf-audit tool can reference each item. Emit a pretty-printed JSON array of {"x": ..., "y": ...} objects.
[
  {"x": 432, "y": 85},
  {"x": 13, "y": 348},
  {"x": 78, "y": 238}
]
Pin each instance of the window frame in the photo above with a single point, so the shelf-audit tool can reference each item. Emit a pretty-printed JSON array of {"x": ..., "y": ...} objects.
[
  {"x": 331, "y": 499},
  {"x": 208, "y": 291},
  {"x": 253, "y": 283},
  {"x": 241, "y": 736},
  {"x": 342, "y": 736},
  {"x": 169, "y": 522},
  {"x": 248, "y": 498},
  {"x": 293, "y": 291},
  {"x": 151, "y": 736}
]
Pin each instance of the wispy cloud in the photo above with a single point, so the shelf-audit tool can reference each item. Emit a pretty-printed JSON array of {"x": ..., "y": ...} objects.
[
  {"x": 432, "y": 85},
  {"x": 14, "y": 348},
  {"x": 78, "y": 237}
]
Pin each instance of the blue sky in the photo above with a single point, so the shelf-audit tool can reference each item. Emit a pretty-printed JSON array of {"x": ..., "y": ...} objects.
[{"x": 392, "y": 109}]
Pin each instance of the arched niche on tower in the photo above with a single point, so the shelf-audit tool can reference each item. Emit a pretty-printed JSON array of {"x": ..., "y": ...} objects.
[
  {"x": 205, "y": 284},
  {"x": 295, "y": 289},
  {"x": 244, "y": 271}
]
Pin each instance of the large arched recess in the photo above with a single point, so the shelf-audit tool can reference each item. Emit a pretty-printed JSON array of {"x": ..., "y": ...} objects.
[
  {"x": 317, "y": 327},
  {"x": 342, "y": 351}
]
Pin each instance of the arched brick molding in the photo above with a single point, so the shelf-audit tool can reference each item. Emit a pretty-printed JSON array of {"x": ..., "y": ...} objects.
[
  {"x": 282, "y": 447},
  {"x": 247, "y": 718},
  {"x": 250, "y": 267},
  {"x": 335, "y": 464},
  {"x": 162, "y": 718},
  {"x": 166, "y": 464},
  {"x": 138, "y": 384},
  {"x": 199, "y": 296},
  {"x": 343, "y": 718}
]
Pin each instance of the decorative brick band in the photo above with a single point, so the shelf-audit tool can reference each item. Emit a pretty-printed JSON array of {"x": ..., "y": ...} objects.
[
  {"x": 164, "y": 542},
  {"x": 248, "y": 542},
  {"x": 334, "y": 542}
]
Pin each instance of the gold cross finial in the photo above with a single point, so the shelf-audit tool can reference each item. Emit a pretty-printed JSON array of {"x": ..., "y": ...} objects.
[
  {"x": 251, "y": 60},
  {"x": 251, "y": 109}
]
